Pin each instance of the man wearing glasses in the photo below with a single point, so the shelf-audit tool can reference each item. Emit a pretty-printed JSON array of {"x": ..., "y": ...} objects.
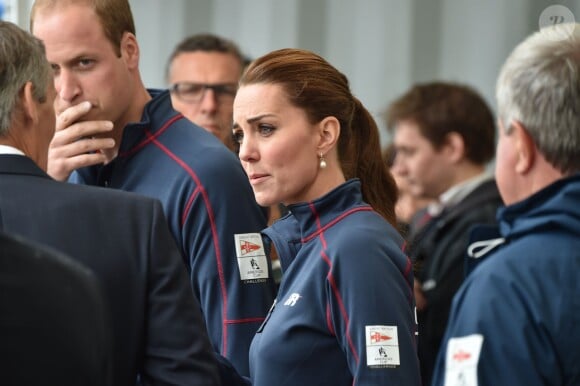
[{"x": 203, "y": 73}]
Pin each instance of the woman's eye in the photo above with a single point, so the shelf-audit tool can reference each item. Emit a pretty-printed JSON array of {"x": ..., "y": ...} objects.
[{"x": 266, "y": 129}]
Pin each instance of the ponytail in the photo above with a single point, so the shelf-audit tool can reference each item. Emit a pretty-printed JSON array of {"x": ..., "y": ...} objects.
[
  {"x": 362, "y": 158},
  {"x": 314, "y": 85}
]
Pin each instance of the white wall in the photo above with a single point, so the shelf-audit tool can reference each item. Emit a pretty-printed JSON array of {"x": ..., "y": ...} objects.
[{"x": 383, "y": 46}]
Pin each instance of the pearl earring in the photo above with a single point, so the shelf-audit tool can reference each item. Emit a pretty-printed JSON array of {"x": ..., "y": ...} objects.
[{"x": 322, "y": 162}]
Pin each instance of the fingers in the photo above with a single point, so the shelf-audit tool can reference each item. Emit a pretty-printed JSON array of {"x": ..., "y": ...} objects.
[
  {"x": 61, "y": 168},
  {"x": 79, "y": 131},
  {"x": 79, "y": 147},
  {"x": 64, "y": 158},
  {"x": 72, "y": 114},
  {"x": 77, "y": 144},
  {"x": 69, "y": 128}
]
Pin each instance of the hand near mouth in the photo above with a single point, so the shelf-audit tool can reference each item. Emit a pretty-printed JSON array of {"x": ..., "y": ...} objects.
[{"x": 77, "y": 143}]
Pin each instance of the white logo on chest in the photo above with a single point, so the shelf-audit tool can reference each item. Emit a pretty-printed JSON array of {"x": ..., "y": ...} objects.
[{"x": 292, "y": 299}]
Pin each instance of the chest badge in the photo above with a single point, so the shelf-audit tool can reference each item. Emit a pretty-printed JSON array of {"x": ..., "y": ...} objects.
[{"x": 251, "y": 256}]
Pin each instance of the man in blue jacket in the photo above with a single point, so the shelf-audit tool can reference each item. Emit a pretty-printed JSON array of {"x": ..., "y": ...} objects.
[
  {"x": 157, "y": 329},
  {"x": 515, "y": 319},
  {"x": 111, "y": 131}
]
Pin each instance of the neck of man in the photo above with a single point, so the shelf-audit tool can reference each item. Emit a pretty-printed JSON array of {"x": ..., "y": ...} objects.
[{"x": 133, "y": 114}]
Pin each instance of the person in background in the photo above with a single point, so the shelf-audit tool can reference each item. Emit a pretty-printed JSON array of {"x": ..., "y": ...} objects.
[
  {"x": 408, "y": 206},
  {"x": 515, "y": 319},
  {"x": 203, "y": 73},
  {"x": 158, "y": 331},
  {"x": 344, "y": 311},
  {"x": 444, "y": 138},
  {"x": 111, "y": 131}
]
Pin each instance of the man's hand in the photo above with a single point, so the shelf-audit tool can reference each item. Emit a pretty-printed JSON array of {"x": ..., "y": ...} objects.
[{"x": 74, "y": 144}]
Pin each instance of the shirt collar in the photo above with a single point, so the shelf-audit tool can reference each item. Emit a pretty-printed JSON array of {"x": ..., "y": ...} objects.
[
  {"x": 456, "y": 193},
  {"x": 5, "y": 149}
]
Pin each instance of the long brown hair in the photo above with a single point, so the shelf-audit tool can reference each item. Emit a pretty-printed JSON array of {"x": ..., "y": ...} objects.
[{"x": 318, "y": 88}]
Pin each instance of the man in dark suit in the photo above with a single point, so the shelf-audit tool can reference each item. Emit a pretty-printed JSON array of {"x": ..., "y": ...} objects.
[
  {"x": 159, "y": 336},
  {"x": 53, "y": 322}
]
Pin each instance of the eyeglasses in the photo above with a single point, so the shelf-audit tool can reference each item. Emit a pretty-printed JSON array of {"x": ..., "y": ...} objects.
[{"x": 194, "y": 92}]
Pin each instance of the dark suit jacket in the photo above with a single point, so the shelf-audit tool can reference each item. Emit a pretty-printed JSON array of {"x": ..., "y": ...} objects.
[
  {"x": 158, "y": 330},
  {"x": 53, "y": 322}
]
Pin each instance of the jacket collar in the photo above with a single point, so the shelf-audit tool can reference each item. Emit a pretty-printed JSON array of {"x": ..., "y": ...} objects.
[
  {"x": 156, "y": 114},
  {"x": 307, "y": 220},
  {"x": 20, "y": 164}
]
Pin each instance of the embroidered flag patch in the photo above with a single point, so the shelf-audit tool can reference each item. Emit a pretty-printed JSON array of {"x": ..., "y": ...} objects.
[
  {"x": 251, "y": 257},
  {"x": 382, "y": 345},
  {"x": 461, "y": 360}
]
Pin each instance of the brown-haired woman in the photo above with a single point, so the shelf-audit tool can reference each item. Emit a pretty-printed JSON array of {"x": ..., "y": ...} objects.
[{"x": 344, "y": 312}]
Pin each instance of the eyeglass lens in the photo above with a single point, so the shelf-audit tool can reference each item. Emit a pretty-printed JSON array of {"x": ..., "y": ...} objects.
[{"x": 194, "y": 92}]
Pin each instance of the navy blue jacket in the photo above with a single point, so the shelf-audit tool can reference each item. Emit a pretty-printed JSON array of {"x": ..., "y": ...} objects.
[
  {"x": 515, "y": 320},
  {"x": 344, "y": 311},
  {"x": 207, "y": 199}
]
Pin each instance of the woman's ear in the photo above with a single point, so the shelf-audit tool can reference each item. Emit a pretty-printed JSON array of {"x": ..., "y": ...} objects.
[
  {"x": 525, "y": 148},
  {"x": 329, "y": 131}
]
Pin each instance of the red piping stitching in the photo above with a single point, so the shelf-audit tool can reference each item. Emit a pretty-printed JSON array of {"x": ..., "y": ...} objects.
[
  {"x": 246, "y": 320},
  {"x": 213, "y": 232},
  {"x": 151, "y": 137},
  {"x": 341, "y": 305},
  {"x": 347, "y": 213}
]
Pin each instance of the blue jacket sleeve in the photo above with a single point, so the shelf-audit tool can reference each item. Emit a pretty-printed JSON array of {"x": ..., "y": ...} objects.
[
  {"x": 178, "y": 351},
  {"x": 514, "y": 346},
  {"x": 371, "y": 311},
  {"x": 233, "y": 308}
]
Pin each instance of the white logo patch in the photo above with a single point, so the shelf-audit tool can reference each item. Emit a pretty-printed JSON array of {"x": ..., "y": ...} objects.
[
  {"x": 382, "y": 343},
  {"x": 252, "y": 260},
  {"x": 461, "y": 360},
  {"x": 292, "y": 299}
]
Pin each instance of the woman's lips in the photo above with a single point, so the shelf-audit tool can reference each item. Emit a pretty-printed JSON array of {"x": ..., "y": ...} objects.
[{"x": 257, "y": 178}]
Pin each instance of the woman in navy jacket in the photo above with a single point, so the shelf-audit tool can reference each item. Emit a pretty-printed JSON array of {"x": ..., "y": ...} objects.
[{"x": 344, "y": 312}]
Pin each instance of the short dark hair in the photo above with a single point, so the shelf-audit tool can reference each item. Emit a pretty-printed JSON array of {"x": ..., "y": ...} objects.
[
  {"x": 115, "y": 16},
  {"x": 207, "y": 43},
  {"x": 440, "y": 108}
]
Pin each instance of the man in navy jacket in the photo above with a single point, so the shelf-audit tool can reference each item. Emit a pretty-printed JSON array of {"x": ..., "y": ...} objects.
[
  {"x": 111, "y": 131},
  {"x": 515, "y": 319},
  {"x": 158, "y": 331}
]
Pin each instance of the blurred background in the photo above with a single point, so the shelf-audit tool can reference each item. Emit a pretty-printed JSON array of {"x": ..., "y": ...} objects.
[{"x": 382, "y": 46}]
